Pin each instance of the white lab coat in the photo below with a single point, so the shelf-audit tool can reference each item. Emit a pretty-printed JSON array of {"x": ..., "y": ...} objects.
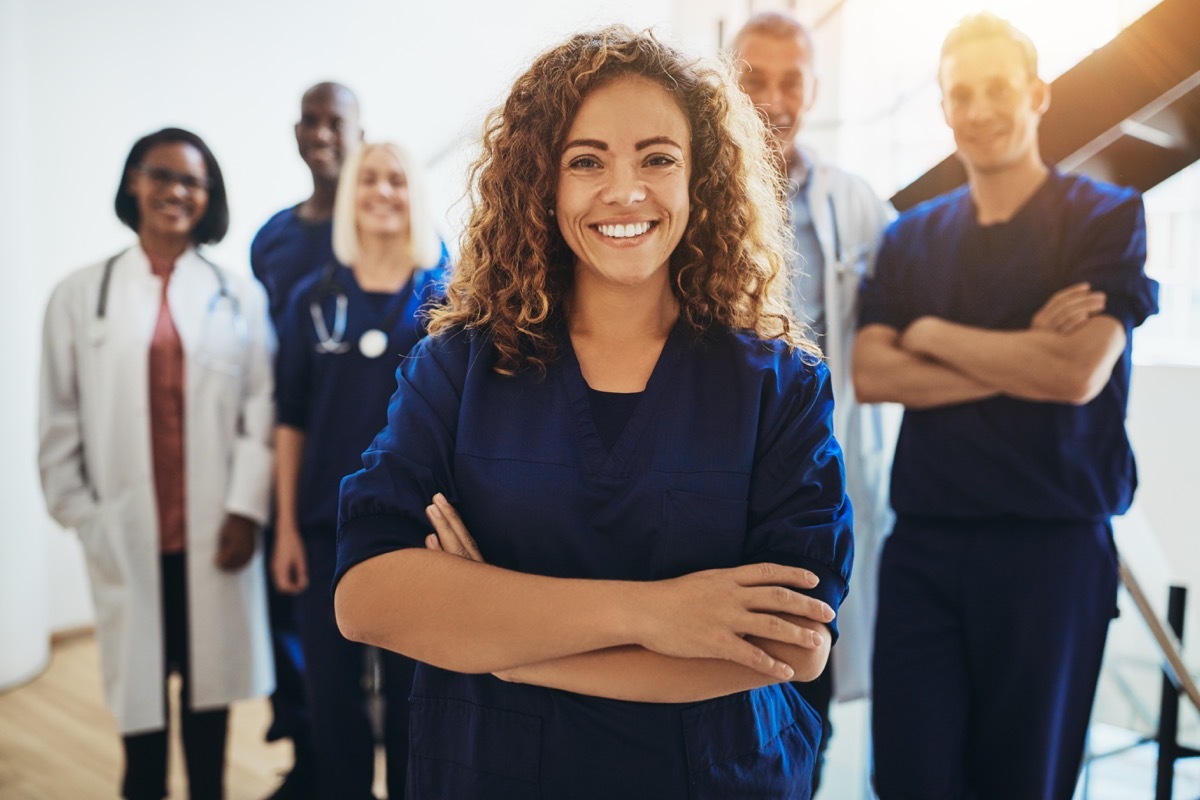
[
  {"x": 97, "y": 472},
  {"x": 849, "y": 218}
]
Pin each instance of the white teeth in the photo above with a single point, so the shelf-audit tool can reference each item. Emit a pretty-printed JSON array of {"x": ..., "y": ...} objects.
[{"x": 624, "y": 231}]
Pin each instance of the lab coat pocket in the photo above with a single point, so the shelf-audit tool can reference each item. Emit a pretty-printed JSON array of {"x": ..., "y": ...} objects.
[
  {"x": 462, "y": 750},
  {"x": 105, "y": 567},
  {"x": 700, "y": 532},
  {"x": 849, "y": 275},
  {"x": 756, "y": 744}
]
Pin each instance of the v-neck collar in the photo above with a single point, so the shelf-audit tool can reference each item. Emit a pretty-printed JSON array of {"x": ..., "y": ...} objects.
[
  {"x": 384, "y": 315},
  {"x": 616, "y": 462}
]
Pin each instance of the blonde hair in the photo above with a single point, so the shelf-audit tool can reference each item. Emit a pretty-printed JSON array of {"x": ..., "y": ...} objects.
[
  {"x": 516, "y": 270},
  {"x": 985, "y": 25},
  {"x": 423, "y": 243}
]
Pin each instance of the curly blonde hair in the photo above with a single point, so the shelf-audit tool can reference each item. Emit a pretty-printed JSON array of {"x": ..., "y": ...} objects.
[{"x": 516, "y": 270}]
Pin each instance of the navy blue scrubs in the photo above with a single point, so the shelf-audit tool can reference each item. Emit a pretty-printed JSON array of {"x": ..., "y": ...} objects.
[
  {"x": 727, "y": 458},
  {"x": 339, "y": 400},
  {"x": 998, "y": 584},
  {"x": 285, "y": 250}
]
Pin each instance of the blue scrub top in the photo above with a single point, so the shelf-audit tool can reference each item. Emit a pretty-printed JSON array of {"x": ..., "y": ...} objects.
[
  {"x": 286, "y": 249},
  {"x": 340, "y": 400},
  {"x": 1004, "y": 456},
  {"x": 728, "y": 458}
]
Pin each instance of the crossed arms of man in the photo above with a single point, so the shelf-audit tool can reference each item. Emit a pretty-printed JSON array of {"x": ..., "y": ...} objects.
[{"x": 1066, "y": 355}]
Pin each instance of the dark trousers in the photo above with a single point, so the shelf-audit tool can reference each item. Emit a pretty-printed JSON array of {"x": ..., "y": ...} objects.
[
  {"x": 987, "y": 652},
  {"x": 203, "y": 731},
  {"x": 341, "y": 729},
  {"x": 289, "y": 717}
]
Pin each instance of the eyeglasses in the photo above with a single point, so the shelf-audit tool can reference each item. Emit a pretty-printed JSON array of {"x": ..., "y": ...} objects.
[{"x": 165, "y": 178}]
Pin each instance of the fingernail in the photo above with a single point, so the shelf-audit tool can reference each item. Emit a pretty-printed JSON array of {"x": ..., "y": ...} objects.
[
  {"x": 817, "y": 639},
  {"x": 788, "y": 672},
  {"x": 434, "y": 511},
  {"x": 828, "y": 610}
]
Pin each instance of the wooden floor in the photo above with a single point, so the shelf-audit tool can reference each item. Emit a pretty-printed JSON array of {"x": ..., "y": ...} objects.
[{"x": 59, "y": 742}]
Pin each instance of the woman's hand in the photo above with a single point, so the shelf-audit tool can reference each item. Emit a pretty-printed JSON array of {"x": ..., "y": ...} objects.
[
  {"x": 289, "y": 565},
  {"x": 449, "y": 532},
  {"x": 710, "y": 614},
  {"x": 235, "y": 542}
]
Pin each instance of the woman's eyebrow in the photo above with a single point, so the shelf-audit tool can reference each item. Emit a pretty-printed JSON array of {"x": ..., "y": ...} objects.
[
  {"x": 642, "y": 145},
  {"x": 595, "y": 143}
]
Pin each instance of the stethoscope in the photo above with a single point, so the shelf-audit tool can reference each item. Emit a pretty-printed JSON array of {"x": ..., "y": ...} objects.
[
  {"x": 844, "y": 260},
  {"x": 98, "y": 329},
  {"x": 372, "y": 343}
]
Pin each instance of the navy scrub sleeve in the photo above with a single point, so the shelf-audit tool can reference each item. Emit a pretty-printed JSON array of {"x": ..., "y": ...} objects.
[{"x": 1112, "y": 257}]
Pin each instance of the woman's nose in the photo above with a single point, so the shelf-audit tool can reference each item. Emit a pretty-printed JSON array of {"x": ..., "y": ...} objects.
[{"x": 625, "y": 186}]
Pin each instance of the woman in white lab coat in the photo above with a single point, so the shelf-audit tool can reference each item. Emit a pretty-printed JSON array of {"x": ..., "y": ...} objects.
[{"x": 155, "y": 426}]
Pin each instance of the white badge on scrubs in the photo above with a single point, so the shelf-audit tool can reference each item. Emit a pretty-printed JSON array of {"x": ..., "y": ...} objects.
[{"x": 372, "y": 343}]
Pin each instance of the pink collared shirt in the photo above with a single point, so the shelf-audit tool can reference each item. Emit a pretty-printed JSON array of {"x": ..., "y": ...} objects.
[{"x": 166, "y": 420}]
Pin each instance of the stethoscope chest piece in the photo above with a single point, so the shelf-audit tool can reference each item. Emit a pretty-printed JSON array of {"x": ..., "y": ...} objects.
[{"x": 373, "y": 343}]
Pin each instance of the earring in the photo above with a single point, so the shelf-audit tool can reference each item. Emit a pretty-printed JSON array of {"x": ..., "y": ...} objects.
[{"x": 550, "y": 211}]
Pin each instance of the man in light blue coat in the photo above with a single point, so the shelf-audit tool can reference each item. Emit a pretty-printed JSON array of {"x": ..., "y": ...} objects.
[{"x": 838, "y": 220}]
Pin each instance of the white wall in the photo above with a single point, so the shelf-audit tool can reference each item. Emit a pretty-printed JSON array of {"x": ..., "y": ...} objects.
[{"x": 23, "y": 643}]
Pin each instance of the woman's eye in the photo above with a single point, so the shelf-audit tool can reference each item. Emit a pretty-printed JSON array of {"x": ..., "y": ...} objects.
[
  {"x": 661, "y": 160},
  {"x": 584, "y": 162}
]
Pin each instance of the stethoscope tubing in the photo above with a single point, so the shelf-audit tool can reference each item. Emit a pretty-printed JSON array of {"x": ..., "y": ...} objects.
[
  {"x": 372, "y": 343},
  {"x": 106, "y": 279},
  {"x": 241, "y": 328}
]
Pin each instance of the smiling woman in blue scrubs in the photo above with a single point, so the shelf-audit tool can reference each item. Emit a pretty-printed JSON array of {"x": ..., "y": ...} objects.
[
  {"x": 341, "y": 335},
  {"x": 624, "y": 449}
]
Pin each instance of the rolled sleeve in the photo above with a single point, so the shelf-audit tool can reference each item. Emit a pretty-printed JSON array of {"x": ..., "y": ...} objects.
[
  {"x": 799, "y": 512},
  {"x": 1113, "y": 259}
]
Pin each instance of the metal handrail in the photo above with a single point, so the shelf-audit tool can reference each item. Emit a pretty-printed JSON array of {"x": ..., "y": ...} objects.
[{"x": 1168, "y": 643}]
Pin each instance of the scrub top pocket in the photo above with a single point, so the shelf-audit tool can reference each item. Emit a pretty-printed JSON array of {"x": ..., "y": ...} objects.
[
  {"x": 751, "y": 745},
  {"x": 462, "y": 750},
  {"x": 699, "y": 532}
]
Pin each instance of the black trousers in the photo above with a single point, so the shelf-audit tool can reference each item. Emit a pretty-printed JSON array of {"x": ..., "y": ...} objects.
[{"x": 203, "y": 731}]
